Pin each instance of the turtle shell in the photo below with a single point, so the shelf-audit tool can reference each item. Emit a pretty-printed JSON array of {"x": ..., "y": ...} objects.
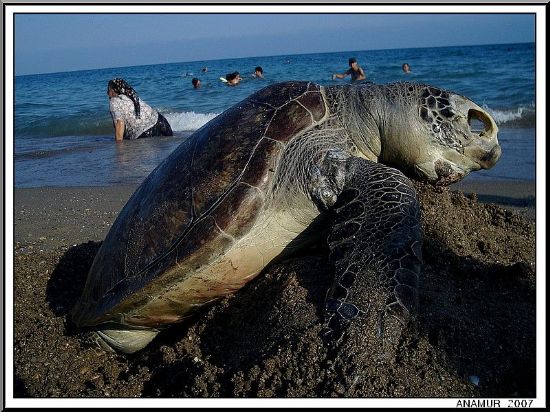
[{"x": 195, "y": 204}]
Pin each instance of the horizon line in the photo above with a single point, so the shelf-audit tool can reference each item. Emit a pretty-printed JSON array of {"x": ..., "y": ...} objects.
[{"x": 272, "y": 55}]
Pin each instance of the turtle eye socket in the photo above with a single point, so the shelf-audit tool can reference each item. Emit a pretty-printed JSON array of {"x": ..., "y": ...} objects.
[{"x": 478, "y": 122}]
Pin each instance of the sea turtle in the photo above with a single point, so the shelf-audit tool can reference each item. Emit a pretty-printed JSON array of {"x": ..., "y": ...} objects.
[{"x": 284, "y": 167}]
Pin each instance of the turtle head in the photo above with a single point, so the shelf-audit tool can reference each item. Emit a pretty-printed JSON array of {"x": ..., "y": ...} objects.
[{"x": 436, "y": 135}]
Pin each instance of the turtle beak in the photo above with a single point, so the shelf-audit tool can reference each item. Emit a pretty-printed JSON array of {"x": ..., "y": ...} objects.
[{"x": 490, "y": 158}]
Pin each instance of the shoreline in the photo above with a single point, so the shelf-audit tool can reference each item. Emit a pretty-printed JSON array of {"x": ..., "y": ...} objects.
[
  {"x": 100, "y": 163},
  {"x": 515, "y": 195}
]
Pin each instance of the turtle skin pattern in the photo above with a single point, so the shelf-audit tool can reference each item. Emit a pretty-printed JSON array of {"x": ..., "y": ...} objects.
[{"x": 375, "y": 246}]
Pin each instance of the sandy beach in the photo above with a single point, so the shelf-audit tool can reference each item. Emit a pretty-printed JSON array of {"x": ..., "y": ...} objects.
[{"x": 473, "y": 336}]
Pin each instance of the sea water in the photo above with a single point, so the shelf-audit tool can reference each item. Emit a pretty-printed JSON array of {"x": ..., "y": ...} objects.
[{"x": 64, "y": 133}]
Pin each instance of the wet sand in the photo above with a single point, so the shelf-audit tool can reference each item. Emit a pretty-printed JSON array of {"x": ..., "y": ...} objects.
[
  {"x": 518, "y": 195},
  {"x": 473, "y": 336}
]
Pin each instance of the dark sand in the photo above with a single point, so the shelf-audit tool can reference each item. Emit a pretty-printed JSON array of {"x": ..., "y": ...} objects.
[{"x": 476, "y": 317}]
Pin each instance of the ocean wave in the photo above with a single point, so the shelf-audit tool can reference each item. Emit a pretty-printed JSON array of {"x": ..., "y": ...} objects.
[
  {"x": 96, "y": 124},
  {"x": 80, "y": 125},
  {"x": 100, "y": 125},
  {"x": 188, "y": 121},
  {"x": 522, "y": 116}
]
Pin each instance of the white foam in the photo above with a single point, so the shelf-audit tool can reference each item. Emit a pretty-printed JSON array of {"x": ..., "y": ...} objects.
[
  {"x": 507, "y": 116},
  {"x": 188, "y": 121}
]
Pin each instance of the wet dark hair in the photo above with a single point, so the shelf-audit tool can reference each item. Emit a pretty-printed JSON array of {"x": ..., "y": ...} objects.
[
  {"x": 120, "y": 86},
  {"x": 259, "y": 69},
  {"x": 352, "y": 60},
  {"x": 195, "y": 81},
  {"x": 231, "y": 76}
]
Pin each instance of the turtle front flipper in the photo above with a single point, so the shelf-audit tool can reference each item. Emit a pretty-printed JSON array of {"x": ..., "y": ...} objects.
[{"x": 376, "y": 250}]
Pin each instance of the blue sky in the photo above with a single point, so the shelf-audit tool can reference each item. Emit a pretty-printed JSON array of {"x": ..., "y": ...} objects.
[{"x": 64, "y": 42}]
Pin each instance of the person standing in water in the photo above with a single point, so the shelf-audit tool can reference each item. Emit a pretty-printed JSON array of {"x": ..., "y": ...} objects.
[
  {"x": 132, "y": 117},
  {"x": 356, "y": 72}
]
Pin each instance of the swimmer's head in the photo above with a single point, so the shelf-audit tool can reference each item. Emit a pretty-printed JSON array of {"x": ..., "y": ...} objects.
[{"x": 233, "y": 78}]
